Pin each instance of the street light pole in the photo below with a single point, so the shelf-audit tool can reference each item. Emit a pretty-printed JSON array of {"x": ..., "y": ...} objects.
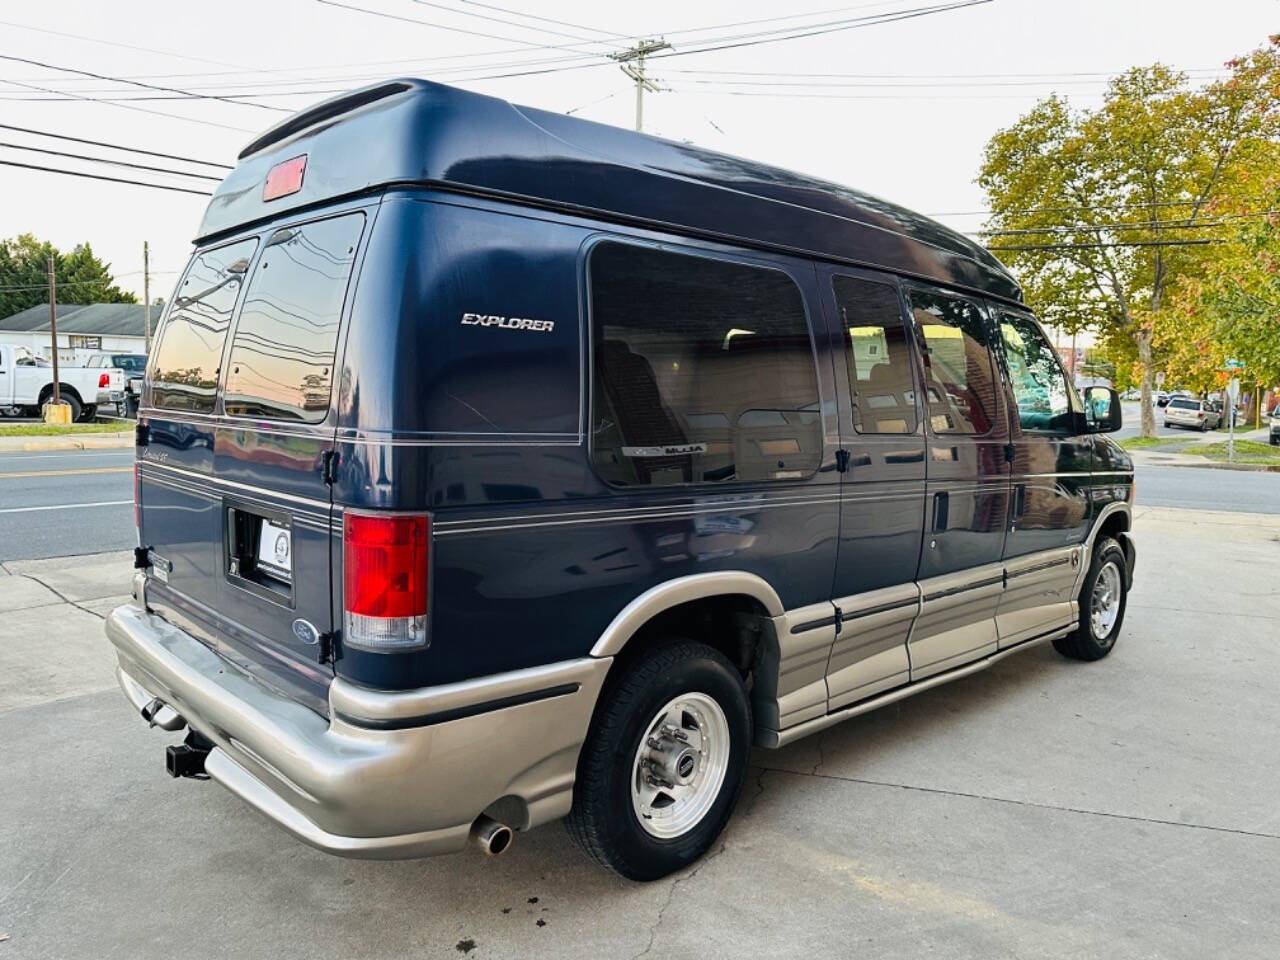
[{"x": 631, "y": 61}]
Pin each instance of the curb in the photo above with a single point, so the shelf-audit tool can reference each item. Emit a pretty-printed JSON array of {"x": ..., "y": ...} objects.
[
  {"x": 1199, "y": 463},
  {"x": 96, "y": 441}
]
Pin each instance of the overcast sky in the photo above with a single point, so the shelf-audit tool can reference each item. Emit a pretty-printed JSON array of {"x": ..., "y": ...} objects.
[{"x": 900, "y": 109}]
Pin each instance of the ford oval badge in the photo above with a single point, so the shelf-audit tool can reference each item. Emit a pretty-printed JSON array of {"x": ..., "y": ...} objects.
[{"x": 306, "y": 632}]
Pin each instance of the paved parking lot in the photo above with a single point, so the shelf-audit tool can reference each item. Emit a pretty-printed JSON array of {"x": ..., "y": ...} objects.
[{"x": 1039, "y": 809}]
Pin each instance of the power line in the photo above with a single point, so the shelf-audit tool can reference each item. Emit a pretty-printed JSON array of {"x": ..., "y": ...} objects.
[
  {"x": 133, "y": 83},
  {"x": 1070, "y": 209},
  {"x": 1106, "y": 245},
  {"x": 96, "y": 176},
  {"x": 509, "y": 23},
  {"x": 114, "y": 163},
  {"x": 114, "y": 146},
  {"x": 116, "y": 43},
  {"x": 562, "y": 23},
  {"x": 79, "y": 283},
  {"x": 126, "y": 106},
  {"x": 441, "y": 26}
]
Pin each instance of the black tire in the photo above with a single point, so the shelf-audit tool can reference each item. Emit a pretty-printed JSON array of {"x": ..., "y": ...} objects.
[
  {"x": 1166, "y": 424},
  {"x": 89, "y": 412},
  {"x": 604, "y": 821},
  {"x": 1084, "y": 643}
]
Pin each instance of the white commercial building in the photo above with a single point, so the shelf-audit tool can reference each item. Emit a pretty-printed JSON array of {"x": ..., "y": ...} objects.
[{"x": 83, "y": 329}]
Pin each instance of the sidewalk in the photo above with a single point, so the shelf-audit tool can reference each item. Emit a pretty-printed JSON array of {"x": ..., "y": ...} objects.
[
  {"x": 51, "y": 641},
  {"x": 72, "y": 441}
]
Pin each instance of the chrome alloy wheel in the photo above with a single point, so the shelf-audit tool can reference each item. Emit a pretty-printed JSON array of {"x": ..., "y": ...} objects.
[
  {"x": 680, "y": 765},
  {"x": 1104, "y": 607}
]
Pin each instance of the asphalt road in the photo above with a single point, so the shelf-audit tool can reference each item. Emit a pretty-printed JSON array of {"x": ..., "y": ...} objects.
[
  {"x": 1040, "y": 809},
  {"x": 60, "y": 503},
  {"x": 1200, "y": 488}
]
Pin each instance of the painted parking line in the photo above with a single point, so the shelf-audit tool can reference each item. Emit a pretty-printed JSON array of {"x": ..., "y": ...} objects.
[
  {"x": 66, "y": 506},
  {"x": 72, "y": 472}
]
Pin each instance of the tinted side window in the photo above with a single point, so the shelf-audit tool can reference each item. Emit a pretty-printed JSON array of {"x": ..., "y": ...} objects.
[
  {"x": 186, "y": 370},
  {"x": 879, "y": 356},
  {"x": 1039, "y": 385},
  {"x": 282, "y": 355},
  {"x": 704, "y": 371},
  {"x": 959, "y": 383}
]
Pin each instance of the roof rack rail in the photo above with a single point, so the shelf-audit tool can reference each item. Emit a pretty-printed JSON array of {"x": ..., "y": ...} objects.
[{"x": 325, "y": 111}]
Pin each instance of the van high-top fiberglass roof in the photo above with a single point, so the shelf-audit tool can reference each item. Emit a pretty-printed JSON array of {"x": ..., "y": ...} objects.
[{"x": 418, "y": 132}]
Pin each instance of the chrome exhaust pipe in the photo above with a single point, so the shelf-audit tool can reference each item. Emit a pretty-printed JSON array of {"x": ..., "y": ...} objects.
[{"x": 491, "y": 836}]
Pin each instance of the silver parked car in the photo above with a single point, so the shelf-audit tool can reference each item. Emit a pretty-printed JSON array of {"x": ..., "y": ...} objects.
[
  {"x": 1275, "y": 427},
  {"x": 1190, "y": 412}
]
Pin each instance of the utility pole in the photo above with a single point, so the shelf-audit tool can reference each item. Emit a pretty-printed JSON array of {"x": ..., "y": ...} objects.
[
  {"x": 146, "y": 292},
  {"x": 632, "y": 62},
  {"x": 53, "y": 332}
]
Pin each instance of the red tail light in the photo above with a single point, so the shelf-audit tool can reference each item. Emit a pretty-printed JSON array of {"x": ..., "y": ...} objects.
[
  {"x": 385, "y": 564},
  {"x": 1199, "y": 414},
  {"x": 104, "y": 381}
]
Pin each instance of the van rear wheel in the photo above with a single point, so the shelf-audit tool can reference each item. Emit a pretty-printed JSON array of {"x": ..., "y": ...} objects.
[
  {"x": 1102, "y": 603},
  {"x": 664, "y": 762}
]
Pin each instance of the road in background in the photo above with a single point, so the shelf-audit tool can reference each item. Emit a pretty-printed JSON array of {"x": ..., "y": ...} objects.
[
  {"x": 1201, "y": 488},
  {"x": 59, "y": 503}
]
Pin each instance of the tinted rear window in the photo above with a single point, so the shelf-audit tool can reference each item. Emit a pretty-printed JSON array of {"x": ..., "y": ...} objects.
[
  {"x": 704, "y": 371},
  {"x": 281, "y": 363},
  {"x": 1181, "y": 404},
  {"x": 186, "y": 370}
]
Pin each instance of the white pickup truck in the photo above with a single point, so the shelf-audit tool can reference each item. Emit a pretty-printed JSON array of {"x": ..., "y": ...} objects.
[{"x": 26, "y": 384}]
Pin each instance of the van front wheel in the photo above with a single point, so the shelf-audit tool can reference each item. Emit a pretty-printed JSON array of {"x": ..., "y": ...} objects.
[
  {"x": 664, "y": 762},
  {"x": 1102, "y": 603}
]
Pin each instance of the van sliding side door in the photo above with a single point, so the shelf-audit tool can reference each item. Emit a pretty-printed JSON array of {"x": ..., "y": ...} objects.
[
  {"x": 882, "y": 483},
  {"x": 967, "y": 492}
]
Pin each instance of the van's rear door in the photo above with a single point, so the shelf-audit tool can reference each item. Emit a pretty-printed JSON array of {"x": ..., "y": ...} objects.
[{"x": 235, "y": 498}]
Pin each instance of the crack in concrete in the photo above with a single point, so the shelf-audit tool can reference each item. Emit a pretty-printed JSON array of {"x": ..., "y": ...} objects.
[
  {"x": 749, "y": 805},
  {"x": 1214, "y": 613},
  {"x": 57, "y": 593},
  {"x": 1033, "y": 804},
  {"x": 822, "y": 754},
  {"x": 671, "y": 895}
]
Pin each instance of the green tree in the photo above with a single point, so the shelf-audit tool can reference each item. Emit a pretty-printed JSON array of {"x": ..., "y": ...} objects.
[
  {"x": 1101, "y": 211},
  {"x": 1237, "y": 300},
  {"x": 81, "y": 277}
]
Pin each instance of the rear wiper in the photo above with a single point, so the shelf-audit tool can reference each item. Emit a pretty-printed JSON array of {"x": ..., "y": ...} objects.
[{"x": 236, "y": 271}]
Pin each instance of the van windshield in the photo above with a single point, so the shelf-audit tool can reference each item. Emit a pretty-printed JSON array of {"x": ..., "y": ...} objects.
[{"x": 281, "y": 364}]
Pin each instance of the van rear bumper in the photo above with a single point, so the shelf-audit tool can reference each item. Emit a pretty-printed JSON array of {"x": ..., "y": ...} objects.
[{"x": 389, "y": 774}]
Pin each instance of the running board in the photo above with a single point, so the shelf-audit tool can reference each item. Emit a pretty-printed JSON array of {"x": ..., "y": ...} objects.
[{"x": 780, "y": 738}]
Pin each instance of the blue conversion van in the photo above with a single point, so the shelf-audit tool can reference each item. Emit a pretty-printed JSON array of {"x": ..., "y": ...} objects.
[{"x": 495, "y": 466}]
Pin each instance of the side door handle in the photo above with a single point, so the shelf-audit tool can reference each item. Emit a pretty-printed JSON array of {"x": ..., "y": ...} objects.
[{"x": 941, "y": 503}]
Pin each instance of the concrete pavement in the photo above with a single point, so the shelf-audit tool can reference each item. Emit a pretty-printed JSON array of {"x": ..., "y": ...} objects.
[{"x": 1039, "y": 809}]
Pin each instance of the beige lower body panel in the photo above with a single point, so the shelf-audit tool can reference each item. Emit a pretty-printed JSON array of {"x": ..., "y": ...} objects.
[
  {"x": 1039, "y": 595},
  {"x": 870, "y": 651},
  {"x": 800, "y": 674},
  {"x": 957, "y": 619}
]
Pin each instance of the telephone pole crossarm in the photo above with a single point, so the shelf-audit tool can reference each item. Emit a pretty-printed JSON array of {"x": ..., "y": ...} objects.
[{"x": 631, "y": 61}]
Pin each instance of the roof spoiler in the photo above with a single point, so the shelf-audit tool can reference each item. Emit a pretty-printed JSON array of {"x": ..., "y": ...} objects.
[{"x": 326, "y": 110}]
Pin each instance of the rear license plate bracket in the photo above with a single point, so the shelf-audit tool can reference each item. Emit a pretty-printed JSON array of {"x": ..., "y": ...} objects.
[{"x": 259, "y": 551}]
